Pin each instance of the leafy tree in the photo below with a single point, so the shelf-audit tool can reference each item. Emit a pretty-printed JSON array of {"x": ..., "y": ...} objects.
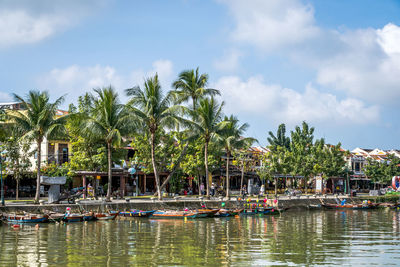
[
  {"x": 303, "y": 159},
  {"x": 191, "y": 85},
  {"x": 275, "y": 163},
  {"x": 107, "y": 120},
  {"x": 231, "y": 139},
  {"x": 37, "y": 122},
  {"x": 280, "y": 139},
  {"x": 206, "y": 125},
  {"x": 382, "y": 171},
  {"x": 245, "y": 161},
  {"x": 18, "y": 163},
  {"x": 154, "y": 110},
  {"x": 88, "y": 152}
]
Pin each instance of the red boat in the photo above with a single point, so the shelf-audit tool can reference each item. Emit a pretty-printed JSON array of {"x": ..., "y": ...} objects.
[{"x": 106, "y": 216}]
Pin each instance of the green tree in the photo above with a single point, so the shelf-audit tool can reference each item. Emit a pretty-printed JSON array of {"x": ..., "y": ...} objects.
[
  {"x": 154, "y": 110},
  {"x": 37, "y": 122},
  {"x": 231, "y": 139},
  {"x": 107, "y": 120},
  {"x": 303, "y": 159},
  {"x": 88, "y": 152},
  {"x": 206, "y": 125},
  {"x": 18, "y": 163},
  {"x": 191, "y": 85},
  {"x": 274, "y": 164},
  {"x": 280, "y": 139}
]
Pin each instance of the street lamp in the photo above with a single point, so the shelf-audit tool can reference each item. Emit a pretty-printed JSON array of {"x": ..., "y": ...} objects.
[
  {"x": 2, "y": 154},
  {"x": 132, "y": 171}
]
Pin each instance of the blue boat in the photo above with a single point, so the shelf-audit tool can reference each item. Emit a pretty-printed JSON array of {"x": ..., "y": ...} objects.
[
  {"x": 73, "y": 218},
  {"x": 137, "y": 213},
  {"x": 26, "y": 218},
  {"x": 89, "y": 217}
]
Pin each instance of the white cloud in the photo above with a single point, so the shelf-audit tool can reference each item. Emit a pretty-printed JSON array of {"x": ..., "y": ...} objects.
[
  {"x": 229, "y": 61},
  {"x": 368, "y": 65},
  {"x": 164, "y": 69},
  {"x": 272, "y": 24},
  {"x": 287, "y": 105},
  {"x": 363, "y": 63},
  {"x": 23, "y": 22},
  {"x": 75, "y": 80},
  {"x": 5, "y": 97}
]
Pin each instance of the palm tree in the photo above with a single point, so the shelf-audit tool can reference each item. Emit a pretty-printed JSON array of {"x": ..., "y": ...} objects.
[
  {"x": 107, "y": 120},
  {"x": 153, "y": 109},
  {"x": 190, "y": 85},
  {"x": 231, "y": 139},
  {"x": 280, "y": 139},
  {"x": 37, "y": 122},
  {"x": 207, "y": 124}
]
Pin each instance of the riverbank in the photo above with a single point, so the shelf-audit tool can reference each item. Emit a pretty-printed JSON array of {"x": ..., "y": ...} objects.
[{"x": 299, "y": 202}]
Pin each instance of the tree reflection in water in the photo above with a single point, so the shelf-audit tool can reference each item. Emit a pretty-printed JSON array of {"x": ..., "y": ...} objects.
[{"x": 295, "y": 237}]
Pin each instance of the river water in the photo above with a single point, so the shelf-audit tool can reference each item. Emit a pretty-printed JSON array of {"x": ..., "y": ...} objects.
[{"x": 294, "y": 238}]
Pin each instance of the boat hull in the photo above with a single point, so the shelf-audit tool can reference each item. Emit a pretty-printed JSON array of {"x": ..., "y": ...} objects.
[
  {"x": 19, "y": 220},
  {"x": 137, "y": 213}
]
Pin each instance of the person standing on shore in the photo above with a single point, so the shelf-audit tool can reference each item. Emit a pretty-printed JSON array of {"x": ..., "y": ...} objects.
[
  {"x": 202, "y": 189},
  {"x": 212, "y": 189}
]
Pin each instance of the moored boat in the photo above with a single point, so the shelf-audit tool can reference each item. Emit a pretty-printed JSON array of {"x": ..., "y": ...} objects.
[
  {"x": 56, "y": 217},
  {"x": 177, "y": 214},
  {"x": 73, "y": 218},
  {"x": 89, "y": 216},
  {"x": 26, "y": 218},
  {"x": 137, "y": 213},
  {"x": 207, "y": 212},
  {"x": 106, "y": 216},
  {"x": 228, "y": 213},
  {"x": 350, "y": 206}
]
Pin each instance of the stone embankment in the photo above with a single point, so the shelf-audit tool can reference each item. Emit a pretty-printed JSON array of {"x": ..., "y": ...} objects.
[{"x": 299, "y": 202}]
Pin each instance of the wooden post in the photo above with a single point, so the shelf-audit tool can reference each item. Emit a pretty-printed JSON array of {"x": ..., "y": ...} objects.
[
  {"x": 84, "y": 185},
  {"x": 122, "y": 185},
  {"x": 144, "y": 184}
]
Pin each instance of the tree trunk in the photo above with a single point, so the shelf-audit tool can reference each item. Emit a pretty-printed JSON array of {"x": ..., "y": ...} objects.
[
  {"x": 109, "y": 171},
  {"x": 153, "y": 161},
  {"x": 305, "y": 185},
  {"x": 198, "y": 184},
  {"x": 175, "y": 168},
  {"x": 39, "y": 150},
  {"x": 17, "y": 190},
  {"x": 241, "y": 179},
  {"x": 227, "y": 173},
  {"x": 206, "y": 166},
  {"x": 276, "y": 187}
]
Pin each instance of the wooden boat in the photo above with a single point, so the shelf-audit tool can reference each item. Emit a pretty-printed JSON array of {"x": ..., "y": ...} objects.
[
  {"x": 224, "y": 213},
  {"x": 89, "y": 216},
  {"x": 228, "y": 213},
  {"x": 270, "y": 211},
  {"x": 264, "y": 211},
  {"x": 207, "y": 212},
  {"x": 26, "y": 218},
  {"x": 56, "y": 217},
  {"x": 73, "y": 218},
  {"x": 177, "y": 214},
  {"x": 106, "y": 216},
  {"x": 314, "y": 206},
  {"x": 250, "y": 212},
  {"x": 350, "y": 206},
  {"x": 137, "y": 213}
]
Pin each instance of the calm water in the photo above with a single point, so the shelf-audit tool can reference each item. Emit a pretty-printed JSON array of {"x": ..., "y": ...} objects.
[{"x": 294, "y": 238}]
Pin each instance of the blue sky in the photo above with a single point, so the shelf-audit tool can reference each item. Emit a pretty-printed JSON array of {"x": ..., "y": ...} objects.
[{"x": 334, "y": 64}]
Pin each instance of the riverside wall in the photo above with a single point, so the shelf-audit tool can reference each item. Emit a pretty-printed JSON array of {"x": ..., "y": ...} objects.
[{"x": 178, "y": 204}]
